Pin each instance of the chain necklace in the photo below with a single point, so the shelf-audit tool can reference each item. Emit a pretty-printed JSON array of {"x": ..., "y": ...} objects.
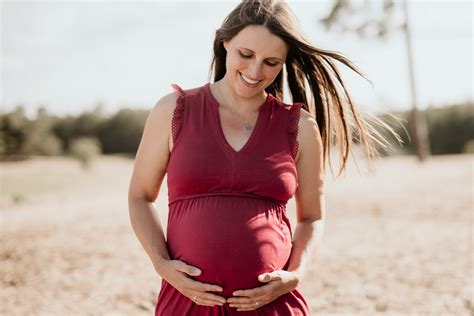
[{"x": 248, "y": 127}]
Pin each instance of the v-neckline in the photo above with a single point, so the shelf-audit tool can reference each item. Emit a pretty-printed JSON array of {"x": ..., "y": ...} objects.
[{"x": 220, "y": 130}]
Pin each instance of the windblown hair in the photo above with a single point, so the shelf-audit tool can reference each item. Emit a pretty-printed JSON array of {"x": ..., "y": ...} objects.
[{"x": 308, "y": 69}]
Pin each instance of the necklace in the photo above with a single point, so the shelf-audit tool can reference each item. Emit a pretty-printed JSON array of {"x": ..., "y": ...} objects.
[{"x": 248, "y": 127}]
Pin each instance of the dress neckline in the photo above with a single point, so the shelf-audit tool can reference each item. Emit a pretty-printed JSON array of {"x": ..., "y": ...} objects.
[{"x": 218, "y": 125}]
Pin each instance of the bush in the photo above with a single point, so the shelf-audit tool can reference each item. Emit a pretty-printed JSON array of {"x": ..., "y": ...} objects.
[
  {"x": 122, "y": 132},
  {"x": 69, "y": 128},
  {"x": 42, "y": 143},
  {"x": 450, "y": 128},
  {"x": 84, "y": 149},
  {"x": 13, "y": 127}
]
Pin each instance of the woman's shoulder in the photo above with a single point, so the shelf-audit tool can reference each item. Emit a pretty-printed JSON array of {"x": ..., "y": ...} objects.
[
  {"x": 168, "y": 102},
  {"x": 307, "y": 123},
  {"x": 169, "y": 110},
  {"x": 300, "y": 126},
  {"x": 308, "y": 135},
  {"x": 296, "y": 110},
  {"x": 189, "y": 92}
]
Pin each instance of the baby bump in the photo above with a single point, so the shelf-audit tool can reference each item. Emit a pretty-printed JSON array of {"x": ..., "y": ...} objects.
[{"x": 231, "y": 239}]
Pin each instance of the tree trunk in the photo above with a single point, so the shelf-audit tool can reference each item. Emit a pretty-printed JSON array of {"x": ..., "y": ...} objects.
[{"x": 417, "y": 126}]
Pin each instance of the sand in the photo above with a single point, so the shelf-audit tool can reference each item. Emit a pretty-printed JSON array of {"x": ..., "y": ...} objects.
[{"x": 398, "y": 241}]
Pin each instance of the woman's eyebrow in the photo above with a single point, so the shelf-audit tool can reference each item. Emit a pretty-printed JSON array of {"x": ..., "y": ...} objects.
[{"x": 266, "y": 58}]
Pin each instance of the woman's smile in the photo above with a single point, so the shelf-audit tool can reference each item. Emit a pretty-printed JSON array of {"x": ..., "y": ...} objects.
[{"x": 249, "y": 82}]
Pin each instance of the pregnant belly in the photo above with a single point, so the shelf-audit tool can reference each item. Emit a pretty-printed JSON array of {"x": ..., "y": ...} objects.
[{"x": 231, "y": 239}]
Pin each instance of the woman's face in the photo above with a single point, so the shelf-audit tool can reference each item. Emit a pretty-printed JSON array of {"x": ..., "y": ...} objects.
[{"x": 254, "y": 58}]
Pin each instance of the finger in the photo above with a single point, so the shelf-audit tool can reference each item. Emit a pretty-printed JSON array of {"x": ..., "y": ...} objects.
[
  {"x": 247, "y": 302},
  {"x": 203, "y": 287},
  {"x": 252, "y": 306},
  {"x": 188, "y": 269},
  {"x": 267, "y": 277},
  {"x": 209, "y": 297},
  {"x": 240, "y": 300},
  {"x": 259, "y": 291},
  {"x": 205, "y": 302}
]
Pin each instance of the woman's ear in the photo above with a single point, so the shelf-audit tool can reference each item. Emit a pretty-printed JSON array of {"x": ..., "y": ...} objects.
[{"x": 225, "y": 44}]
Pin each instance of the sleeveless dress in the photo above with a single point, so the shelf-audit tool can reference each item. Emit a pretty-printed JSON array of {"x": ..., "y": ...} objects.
[{"x": 227, "y": 208}]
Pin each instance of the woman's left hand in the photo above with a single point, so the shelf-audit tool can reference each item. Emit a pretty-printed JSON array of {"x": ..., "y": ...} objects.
[{"x": 279, "y": 282}]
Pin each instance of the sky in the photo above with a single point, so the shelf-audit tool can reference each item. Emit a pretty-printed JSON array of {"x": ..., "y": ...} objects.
[{"x": 68, "y": 56}]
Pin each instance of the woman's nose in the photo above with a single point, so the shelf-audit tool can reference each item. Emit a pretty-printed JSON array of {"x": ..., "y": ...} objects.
[{"x": 254, "y": 71}]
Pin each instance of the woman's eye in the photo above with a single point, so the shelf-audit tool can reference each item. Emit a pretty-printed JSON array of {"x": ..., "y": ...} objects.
[
  {"x": 250, "y": 56},
  {"x": 245, "y": 56},
  {"x": 272, "y": 65}
]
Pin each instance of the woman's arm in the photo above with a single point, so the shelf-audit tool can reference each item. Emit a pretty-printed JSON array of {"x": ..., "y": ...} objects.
[
  {"x": 148, "y": 172},
  {"x": 309, "y": 197}
]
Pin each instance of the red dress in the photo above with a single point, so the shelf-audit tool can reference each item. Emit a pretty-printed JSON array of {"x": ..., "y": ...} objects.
[{"x": 227, "y": 208}]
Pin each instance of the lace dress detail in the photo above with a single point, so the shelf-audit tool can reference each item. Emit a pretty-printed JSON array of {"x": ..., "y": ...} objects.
[
  {"x": 178, "y": 113},
  {"x": 293, "y": 128}
]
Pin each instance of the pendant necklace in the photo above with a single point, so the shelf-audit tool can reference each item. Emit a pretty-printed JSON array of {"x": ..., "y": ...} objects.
[{"x": 248, "y": 127}]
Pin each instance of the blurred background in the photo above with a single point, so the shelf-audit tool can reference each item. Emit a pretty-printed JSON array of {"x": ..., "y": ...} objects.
[{"x": 78, "y": 79}]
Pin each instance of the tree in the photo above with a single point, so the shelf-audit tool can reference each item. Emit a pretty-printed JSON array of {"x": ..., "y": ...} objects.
[{"x": 381, "y": 25}]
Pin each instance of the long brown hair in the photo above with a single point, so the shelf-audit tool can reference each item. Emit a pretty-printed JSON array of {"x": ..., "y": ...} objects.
[{"x": 308, "y": 69}]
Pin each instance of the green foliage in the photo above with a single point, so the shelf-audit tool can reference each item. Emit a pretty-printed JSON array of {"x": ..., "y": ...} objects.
[
  {"x": 84, "y": 149},
  {"x": 64, "y": 129},
  {"x": 86, "y": 124},
  {"x": 122, "y": 132},
  {"x": 42, "y": 143},
  {"x": 451, "y": 130},
  {"x": 13, "y": 129},
  {"x": 40, "y": 140},
  {"x": 469, "y": 147}
]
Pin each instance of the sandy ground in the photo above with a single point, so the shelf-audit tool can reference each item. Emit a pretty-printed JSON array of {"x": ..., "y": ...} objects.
[{"x": 398, "y": 241}]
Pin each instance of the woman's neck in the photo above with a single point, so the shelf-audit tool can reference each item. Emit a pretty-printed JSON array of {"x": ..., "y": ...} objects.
[{"x": 234, "y": 101}]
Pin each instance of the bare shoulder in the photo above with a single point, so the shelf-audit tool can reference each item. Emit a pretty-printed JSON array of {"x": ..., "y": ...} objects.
[
  {"x": 153, "y": 152},
  {"x": 307, "y": 122},
  {"x": 165, "y": 106},
  {"x": 161, "y": 114},
  {"x": 309, "y": 138}
]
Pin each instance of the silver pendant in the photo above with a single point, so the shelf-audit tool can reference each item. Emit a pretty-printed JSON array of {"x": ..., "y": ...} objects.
[{"x": 247, "y": 127}]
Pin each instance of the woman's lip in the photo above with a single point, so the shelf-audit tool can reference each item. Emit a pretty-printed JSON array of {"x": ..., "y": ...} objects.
[{"x": 248, "y": 84}]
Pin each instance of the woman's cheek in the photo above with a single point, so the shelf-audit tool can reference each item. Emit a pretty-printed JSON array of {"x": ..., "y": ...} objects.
[
  {"x": 273, "y": 73},
  {"x": 233, "y": 61}
]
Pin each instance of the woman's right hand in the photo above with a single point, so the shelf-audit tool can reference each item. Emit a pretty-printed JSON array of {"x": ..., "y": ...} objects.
[{"x": 177, "y": 272}]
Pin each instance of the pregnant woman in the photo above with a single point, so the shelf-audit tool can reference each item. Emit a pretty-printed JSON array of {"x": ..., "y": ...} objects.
[{"x": 234, "y": 153}]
